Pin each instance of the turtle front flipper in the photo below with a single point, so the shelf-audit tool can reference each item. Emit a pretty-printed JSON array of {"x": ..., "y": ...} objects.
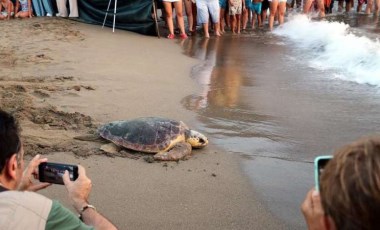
[{"x": 178, "y": 152}]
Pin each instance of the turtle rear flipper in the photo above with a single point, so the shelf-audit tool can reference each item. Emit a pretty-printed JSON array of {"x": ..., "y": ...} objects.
[{"x": 178, "y": 152}]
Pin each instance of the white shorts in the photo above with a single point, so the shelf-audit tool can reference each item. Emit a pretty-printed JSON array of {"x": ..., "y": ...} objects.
[{"x": 204, "y": 7}]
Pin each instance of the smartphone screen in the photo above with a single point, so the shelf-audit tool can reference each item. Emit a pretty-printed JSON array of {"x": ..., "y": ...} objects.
[
  {"x": 53, "y": 172},
  {"x": 319, "y": 164}
]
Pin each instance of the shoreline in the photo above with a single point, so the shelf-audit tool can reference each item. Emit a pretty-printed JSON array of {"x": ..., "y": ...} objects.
[{"x": 208, "y": 191}]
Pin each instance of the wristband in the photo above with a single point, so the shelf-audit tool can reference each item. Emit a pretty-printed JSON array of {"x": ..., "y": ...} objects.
[{"x": 84, "y": 209}]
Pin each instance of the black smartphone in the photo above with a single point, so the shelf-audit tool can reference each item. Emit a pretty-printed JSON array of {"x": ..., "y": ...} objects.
[
  {"x": 53, "y": 172},
  {"x": 319, "y": 163}
]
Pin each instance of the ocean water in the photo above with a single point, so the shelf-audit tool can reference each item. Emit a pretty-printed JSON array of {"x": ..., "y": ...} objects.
[{"x": 279, "y": 99}]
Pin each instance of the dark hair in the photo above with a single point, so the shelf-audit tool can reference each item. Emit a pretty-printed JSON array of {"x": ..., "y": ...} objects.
[
  {"x": 9, "y": 137},
  {"x": 350, "y": 186}
]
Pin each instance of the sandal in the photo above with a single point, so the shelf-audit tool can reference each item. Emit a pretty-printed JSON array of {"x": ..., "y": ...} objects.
[
  {"x": 183, "y": 36},
  {"x": 171, "y": 36}
]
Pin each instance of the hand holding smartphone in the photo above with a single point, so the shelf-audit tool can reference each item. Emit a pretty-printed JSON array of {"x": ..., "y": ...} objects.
[
  {"x": 319, "y": 163},
  {"x": 53, "y": 172}
]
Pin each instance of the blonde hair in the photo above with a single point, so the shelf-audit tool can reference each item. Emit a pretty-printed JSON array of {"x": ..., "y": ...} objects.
[{"x": 350, "y": 185}]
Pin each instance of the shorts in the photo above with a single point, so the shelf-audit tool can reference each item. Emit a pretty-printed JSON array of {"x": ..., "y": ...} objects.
[
  {"x": 256, "y": 7},
  {"x": 248, "y": 4},
  {"x": 204, "y": 7},
  {"x": 236, "y": 8},
  {"x": 170, "y": 0},
  {"x": 265, "y": 5},
  {"x": 223, "y": 4}
]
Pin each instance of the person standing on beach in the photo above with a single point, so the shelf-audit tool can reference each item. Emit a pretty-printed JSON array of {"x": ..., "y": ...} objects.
[
  {"x": 169, "y": 17},
  {"x": 235, "y": 10},
  {"x": 26, "y": 9},
  {"x": 21, "y": 207},
  {"x": 205, "y": 8}
]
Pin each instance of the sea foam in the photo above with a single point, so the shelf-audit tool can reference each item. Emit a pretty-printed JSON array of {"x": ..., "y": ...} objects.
[{"x": 333, "y": 46}]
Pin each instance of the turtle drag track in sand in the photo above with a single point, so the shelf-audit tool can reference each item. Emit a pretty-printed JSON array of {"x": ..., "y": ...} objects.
[{"x": 45, "y": 128}]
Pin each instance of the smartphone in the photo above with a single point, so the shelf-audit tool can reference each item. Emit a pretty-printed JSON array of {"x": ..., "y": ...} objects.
[
  {"x": 319, "y": 163},
  {"x": 53, "y": 172}
]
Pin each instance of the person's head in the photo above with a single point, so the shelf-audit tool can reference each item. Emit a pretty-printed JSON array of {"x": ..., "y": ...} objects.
[
  {"x": 11, "y": 151},
  {"x": 350, "y": 186}
]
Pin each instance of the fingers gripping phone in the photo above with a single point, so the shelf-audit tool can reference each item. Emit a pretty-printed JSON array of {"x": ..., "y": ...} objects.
[
  {"x": 319, "y": 164},
  {"x": 52, "y": 172}
]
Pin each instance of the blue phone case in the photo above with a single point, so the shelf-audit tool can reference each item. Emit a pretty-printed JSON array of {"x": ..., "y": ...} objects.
[{"x": 316, "y": 172}]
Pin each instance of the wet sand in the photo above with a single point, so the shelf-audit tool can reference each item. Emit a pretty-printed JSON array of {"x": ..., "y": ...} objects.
[{"x": 63, "y": 79}]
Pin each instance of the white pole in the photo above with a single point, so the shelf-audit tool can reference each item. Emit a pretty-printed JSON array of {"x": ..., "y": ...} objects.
[{"x": 114, "y": 16}]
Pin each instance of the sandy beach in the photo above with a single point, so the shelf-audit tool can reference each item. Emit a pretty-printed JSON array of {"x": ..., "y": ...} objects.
[{"x": 62, "y": 79}]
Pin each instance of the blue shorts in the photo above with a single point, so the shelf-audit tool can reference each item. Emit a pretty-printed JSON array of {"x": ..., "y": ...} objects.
[
  {"x": 223, "y": 4},
  {"x": 248, "y": 4},
  {"x": 256, "y": 7}
]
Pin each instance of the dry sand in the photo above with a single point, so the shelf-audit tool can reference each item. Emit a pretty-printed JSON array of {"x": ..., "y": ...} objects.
[{"x": 62, "y": 79}]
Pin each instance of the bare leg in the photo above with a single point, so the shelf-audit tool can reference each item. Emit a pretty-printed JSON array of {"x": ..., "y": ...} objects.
[
  {"x": 273, "y": 10},
  {"x": 281, "y": 12},
  {"x": 377, "y": 7},
  {"x": 205, "y": 30},
  {"x": 238, "y": 19},
  {"x": 221, "y": 20},
  {"x": 169, "y": 16},
  {"x": 259, "y": 22},
  {"x": 368, "y": 10},
  {"x": 321, "y": 8},
  {"x": 189, "y": 14},
  {"x": 254, "y": 19},
  {"x": 233, "y": 23},
  {"x": 245, "y": 18},
  {"x": 178, "y": 10},
  {"x": 307, "y": 6},
  {"x": 359, "y": 8},
  {"x": 217, "y": 31}
]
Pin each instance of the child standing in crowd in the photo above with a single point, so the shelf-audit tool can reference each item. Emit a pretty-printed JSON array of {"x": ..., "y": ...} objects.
[
  {"x": 169, "y": 17},
  {"x": 256, "y": 12},
  {"x": 26, "y": 9},
  {"x": 6, "y": 9},
  {"x": 236, "y": 7},
  {"x": 206, "y": 8}
]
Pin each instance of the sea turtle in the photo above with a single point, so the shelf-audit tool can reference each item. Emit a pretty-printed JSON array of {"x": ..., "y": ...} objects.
[{"x": 169, "y": 140}]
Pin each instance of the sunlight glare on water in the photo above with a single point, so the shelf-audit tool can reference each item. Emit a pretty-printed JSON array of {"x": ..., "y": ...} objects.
[{"x": 335, "y": 46}]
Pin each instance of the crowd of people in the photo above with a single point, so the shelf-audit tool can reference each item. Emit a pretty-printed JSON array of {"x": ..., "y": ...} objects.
[
  {"x": 30, "y": 8},
  {"x": 235, "y": 15}
]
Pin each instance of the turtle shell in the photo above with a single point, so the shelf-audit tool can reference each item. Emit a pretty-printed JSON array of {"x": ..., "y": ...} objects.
[{"x": 148, "y": 134}]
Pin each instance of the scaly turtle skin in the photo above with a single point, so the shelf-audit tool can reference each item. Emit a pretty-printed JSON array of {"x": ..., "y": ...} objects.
[{"x": 169, "y": 139}]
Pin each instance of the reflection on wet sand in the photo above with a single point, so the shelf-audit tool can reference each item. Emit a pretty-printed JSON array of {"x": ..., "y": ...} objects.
[{"x": 220, "y": 103}]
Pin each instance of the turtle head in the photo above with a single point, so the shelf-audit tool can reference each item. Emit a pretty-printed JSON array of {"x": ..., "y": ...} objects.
[{"x": 196, "y": 139}]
